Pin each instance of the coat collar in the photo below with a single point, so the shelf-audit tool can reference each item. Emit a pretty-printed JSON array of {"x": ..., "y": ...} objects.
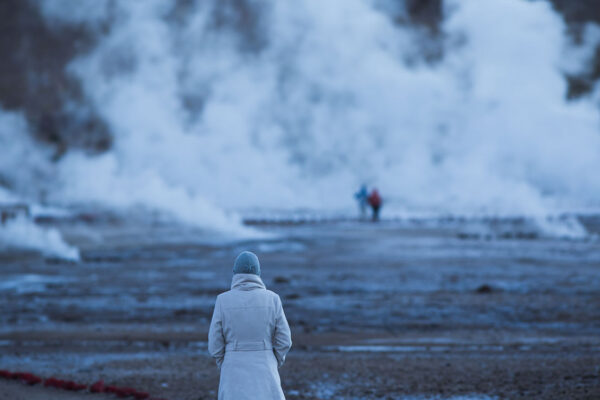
[{"x": 247, "y": 282}]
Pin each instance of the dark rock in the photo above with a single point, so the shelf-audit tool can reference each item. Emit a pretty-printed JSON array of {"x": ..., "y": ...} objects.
[
  {"x": 485, "y": 288},
  {"x": 281, "y": 279},
  {"x": 34, "y": 78},
  {"x": 426, "y": 12},
  {"x": 578, "y": 11}
]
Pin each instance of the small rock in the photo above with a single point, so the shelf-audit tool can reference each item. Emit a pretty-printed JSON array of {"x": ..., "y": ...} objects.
[
  {"x": 485, "y": 288},
  {"x": 281, "y": 279}
]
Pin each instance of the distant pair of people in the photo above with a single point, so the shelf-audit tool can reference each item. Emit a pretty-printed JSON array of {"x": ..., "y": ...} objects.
[{"x": 373, "y": 199}]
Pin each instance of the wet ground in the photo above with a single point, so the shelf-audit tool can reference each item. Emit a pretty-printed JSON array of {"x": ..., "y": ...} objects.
[{"x": 394, "y": 310}]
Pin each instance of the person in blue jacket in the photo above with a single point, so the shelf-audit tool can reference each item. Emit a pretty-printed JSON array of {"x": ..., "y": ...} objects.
[{"x": 361, "y": 197}]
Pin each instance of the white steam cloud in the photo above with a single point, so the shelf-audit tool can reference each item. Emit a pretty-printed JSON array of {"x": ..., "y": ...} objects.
[
  {"x": 23, "y": 233},
  {"x": 332, "y": 94}
]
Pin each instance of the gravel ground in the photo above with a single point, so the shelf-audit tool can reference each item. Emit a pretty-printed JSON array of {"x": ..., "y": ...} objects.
[{"x": 378, "y": 311}]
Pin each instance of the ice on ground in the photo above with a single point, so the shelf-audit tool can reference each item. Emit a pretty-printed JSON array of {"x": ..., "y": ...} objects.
[
  {"x": 413, "y": 349},
  {"x": 290, "y": 246},
  {"x": 330, "y": 390},
  {"x": 23, "y": 233},
  {"x": 28, "y": 283}
]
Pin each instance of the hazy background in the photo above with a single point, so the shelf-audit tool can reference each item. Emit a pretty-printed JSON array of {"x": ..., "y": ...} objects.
[{"x": 212, "y": 110}]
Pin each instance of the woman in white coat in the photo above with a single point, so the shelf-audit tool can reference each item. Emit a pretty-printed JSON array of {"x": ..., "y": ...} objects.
[{"x": 249, "y": 336}]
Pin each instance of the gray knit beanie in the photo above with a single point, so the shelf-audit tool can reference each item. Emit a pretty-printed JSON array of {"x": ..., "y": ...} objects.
[{"x": 246, "y": 263}]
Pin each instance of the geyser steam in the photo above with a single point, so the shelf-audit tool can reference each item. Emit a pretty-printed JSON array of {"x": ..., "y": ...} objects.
[{"x": 287, "y": 105}]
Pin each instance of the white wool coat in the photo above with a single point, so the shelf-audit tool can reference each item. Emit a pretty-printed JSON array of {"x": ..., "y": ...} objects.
[{"x": 249, "y": 338}]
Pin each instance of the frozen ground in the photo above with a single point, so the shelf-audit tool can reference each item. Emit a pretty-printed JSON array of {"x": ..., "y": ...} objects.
[{"x": 395, "y": 310}]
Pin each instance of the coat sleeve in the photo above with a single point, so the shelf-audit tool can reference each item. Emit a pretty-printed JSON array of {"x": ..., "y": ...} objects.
[
  {"x": 282, "y": 337},
  {"x": 216, "y": 341}
]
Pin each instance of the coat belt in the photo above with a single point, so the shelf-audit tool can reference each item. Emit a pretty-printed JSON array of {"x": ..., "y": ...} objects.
[{"x": 248, "y": 346}]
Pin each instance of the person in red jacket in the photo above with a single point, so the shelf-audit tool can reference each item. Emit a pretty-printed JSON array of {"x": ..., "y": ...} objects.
[{"x": 375, "y": 203}]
